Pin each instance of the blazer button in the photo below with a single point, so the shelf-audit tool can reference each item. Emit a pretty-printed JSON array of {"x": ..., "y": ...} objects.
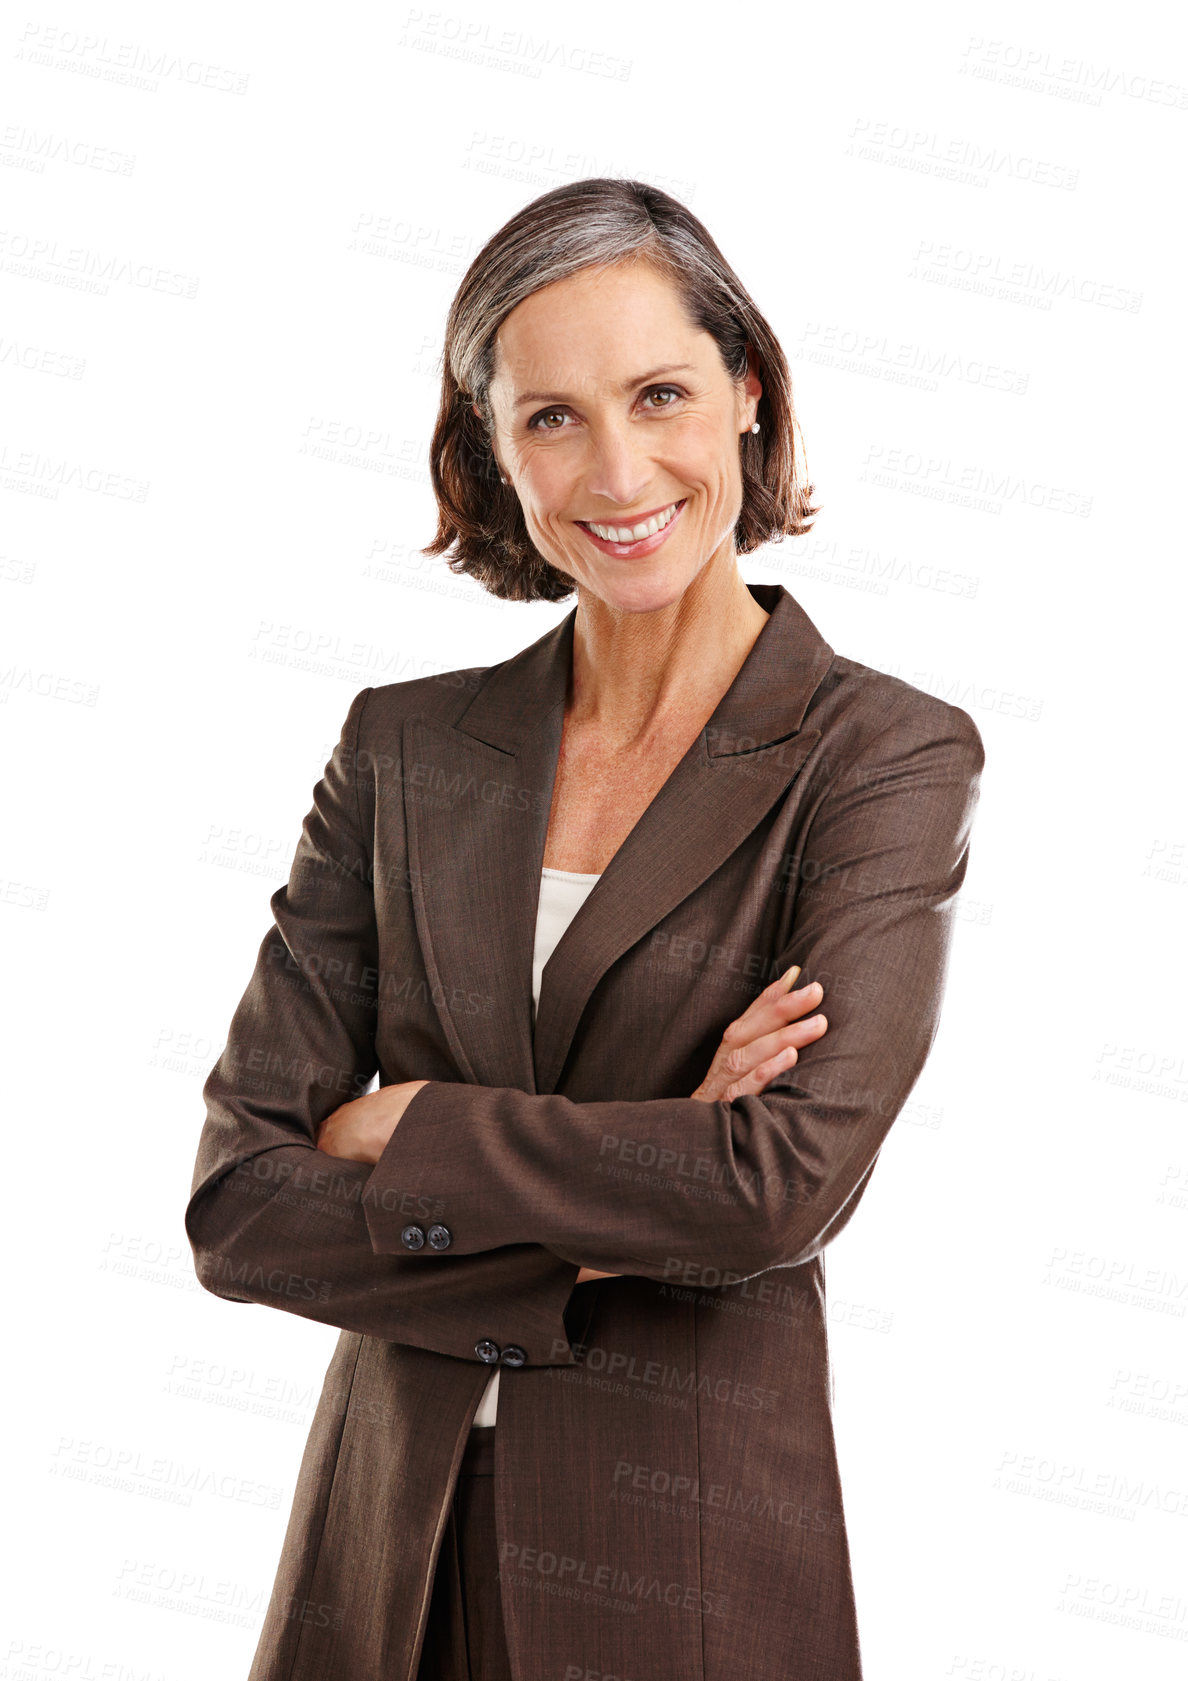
[
  {"x": 513, "y": 1355},
  {"x": 487, "y": 1351},
  {"x": 412, "y": 1237},
  {"x": 440, "y": 1237}
]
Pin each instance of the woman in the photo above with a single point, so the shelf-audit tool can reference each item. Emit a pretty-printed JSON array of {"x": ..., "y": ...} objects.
[{"x": 557, "y": 904}]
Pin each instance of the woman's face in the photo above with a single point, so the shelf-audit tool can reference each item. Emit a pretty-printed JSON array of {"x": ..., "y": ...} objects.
[{"x": 610, "y": 407}]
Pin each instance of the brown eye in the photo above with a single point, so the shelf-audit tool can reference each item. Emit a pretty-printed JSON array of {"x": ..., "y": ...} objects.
[{"x": 544, "y": 415}]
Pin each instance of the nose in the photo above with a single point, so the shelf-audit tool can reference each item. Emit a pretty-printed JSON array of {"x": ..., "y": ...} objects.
[{"x": 620, "y": 468}]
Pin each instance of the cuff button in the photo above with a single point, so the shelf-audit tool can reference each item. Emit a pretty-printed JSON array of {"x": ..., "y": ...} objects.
[
  {"x": 487, "y": 1351},
  {"x": 440, "y": 1237},
  {"x": 412, "y": 1237},
  {"x": 513, "y": 1355}
]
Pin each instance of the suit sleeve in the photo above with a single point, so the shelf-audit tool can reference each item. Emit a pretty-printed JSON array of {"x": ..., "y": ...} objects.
[
  {"x": 271, "y": 1218},
  {"x": 711, "y": 1193}
]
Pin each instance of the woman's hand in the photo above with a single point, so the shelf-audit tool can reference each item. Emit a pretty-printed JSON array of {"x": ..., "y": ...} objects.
[
  {"x": 357, "y": 1131},
  {"x": 763, "y": 1041}
]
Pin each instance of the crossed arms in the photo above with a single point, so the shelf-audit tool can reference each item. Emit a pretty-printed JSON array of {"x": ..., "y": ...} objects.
[{"x": 273, "y": 1219}]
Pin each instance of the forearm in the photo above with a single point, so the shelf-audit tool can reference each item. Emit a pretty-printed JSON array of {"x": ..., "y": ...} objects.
[
  {"x": 707, "y": 1193},
  {"x": 287, "y": 1229}
]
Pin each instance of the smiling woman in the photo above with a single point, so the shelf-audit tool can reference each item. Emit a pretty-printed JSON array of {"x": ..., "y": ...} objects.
[
  {"x": 578, "y": 1422},
  {"x": 533, "y": 352},
  {"x": 608, "y": 458}
]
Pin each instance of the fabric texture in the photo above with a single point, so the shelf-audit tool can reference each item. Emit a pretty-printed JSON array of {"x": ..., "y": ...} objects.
[
  {"x": 666, "y": 1490},
  {"x": 464, "y": 1638},
  {"x": 562, "y": 895}
]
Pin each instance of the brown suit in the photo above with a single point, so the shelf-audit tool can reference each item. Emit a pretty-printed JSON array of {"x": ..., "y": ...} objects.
[{"x": 666, "y": 1480}]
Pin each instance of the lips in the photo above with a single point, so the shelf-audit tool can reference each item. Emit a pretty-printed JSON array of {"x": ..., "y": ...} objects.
[
  {"x": 645, "y": 545},
  {"x": 631, "y": 530}
]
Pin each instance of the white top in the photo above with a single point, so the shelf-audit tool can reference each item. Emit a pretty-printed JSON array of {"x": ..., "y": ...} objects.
[{"x": 562, "y": 894}]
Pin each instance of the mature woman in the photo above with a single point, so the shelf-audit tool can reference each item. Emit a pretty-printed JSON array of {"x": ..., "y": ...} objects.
[{"x": 578, "y": 1421}]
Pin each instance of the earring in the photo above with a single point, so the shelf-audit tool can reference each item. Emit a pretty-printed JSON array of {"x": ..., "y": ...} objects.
[
  {"x": 502, "y": 480},
  {"x": 754, "y": 426}
]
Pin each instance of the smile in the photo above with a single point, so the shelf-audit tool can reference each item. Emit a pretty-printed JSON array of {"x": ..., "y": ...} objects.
[{"x": 642, "y": 537}]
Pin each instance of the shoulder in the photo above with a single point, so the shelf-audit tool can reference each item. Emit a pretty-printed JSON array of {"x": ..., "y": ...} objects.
[
  {"x": 507, "y": 691},
  {"x": 444, "y": 696},
  {"x": 857, "y": 706}
]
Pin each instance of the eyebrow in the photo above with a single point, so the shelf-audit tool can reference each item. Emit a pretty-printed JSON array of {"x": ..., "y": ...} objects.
[{"x": 627, "y": 385}]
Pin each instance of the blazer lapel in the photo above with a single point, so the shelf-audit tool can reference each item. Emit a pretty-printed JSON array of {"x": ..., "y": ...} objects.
[
  {"x": 477, "y": 796},
  {"x": 477, "y": 799}
]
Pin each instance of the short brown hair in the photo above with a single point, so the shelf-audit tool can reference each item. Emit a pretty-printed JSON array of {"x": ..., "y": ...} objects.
[{"x": 600, "y": 221}]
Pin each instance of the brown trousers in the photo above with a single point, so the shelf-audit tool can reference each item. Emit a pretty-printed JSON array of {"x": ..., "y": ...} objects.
[{"x": 464, "y": 1639}]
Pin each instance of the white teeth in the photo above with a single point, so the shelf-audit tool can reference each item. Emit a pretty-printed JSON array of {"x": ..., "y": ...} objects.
[{"x": 634, "y": 533}]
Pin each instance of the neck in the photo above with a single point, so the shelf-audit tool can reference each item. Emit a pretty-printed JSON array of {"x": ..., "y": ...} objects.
[{"x": 635, "y": 673}]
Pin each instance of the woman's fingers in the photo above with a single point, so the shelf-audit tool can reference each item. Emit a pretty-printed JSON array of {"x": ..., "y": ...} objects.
[
  {"x": 765, "y": 1056},
  {"x": 778, "y": 990},
  {"x": 740, "y": 1059},
  {"x": 763, "y": 1041},
  {"x": 771, "y": 1011},
  {"x": 756, "y": 1078}
]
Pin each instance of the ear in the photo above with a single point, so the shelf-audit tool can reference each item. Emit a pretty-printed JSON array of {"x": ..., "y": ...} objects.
[{"x": 752, "y": 384}]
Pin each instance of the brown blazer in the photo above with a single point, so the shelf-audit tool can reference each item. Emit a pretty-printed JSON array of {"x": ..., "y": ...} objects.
[{"x": 666, "y": 1479}]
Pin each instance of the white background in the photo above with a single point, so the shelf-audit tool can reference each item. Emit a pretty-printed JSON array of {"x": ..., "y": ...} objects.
[{"x": 228, "y": 246}]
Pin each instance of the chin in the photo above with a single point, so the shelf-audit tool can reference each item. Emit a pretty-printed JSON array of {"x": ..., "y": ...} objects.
[
  {"x": 639, "y": 594},
  {"x": 645, "y": 587}
]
